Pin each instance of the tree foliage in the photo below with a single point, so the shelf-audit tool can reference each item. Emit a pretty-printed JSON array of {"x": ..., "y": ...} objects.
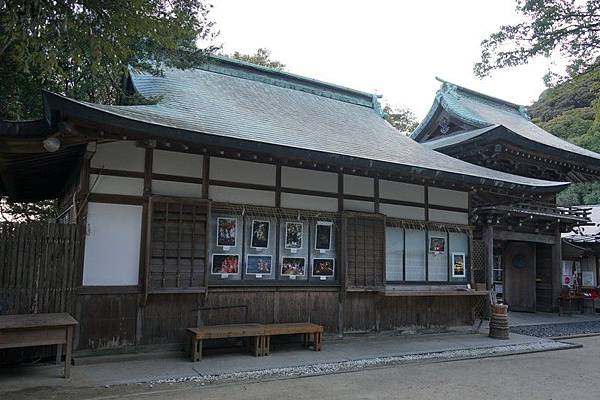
[
  {"x": 400, "y": 118},
  {"x": 83, "y": 49},
  {"x": 571, "y": 27},
  {"x": 571, "y": 111},
  {"x": 45, "y": 210},
  {"x": 261, "y": 57}
]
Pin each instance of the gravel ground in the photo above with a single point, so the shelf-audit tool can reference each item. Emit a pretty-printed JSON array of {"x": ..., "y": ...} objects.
[
  {"x": 557, "y": 330},
  {"x": 356, "y": 365}
]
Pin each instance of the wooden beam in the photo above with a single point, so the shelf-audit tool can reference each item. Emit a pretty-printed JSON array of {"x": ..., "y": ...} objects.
[
  {"x": 340, "y": 194},
  {"x": 376, "y": 193},
  {"x": 556, "y": 267},
  {"x": 488, "y": 242},
  {"x": 205, "y": 176},
  {"x": 278, "y": 186},
  {"x": 524, "y": 237}
]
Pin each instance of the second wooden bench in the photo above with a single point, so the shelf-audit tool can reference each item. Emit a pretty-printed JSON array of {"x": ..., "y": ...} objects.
[{"x": 311, "y": 334}]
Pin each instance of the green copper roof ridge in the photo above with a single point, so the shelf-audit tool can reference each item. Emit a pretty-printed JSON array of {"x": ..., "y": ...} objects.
[
  {"x": 285, "y": 74},
  {"x": 441, "y": 101},
  {"x": 466, "y": 89},
  {"x": 521, "y": 109}
]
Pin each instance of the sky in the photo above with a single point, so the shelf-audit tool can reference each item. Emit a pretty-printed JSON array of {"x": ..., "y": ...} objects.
[{"x": 393, "y": 48}]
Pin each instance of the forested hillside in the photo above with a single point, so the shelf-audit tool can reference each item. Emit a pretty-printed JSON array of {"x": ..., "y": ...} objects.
[{"x": 571, "y": 110}]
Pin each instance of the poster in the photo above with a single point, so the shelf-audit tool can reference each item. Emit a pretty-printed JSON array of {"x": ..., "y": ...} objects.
[
  {"x": 323, "y": 266},
  {"x": 225, "y": 264},
  {"x": 293, "y": 235},
  {"x": 323, "y": 233},
  {"x": 258, "y": 265},
  {"x": 293, "y": 266},
  {"x": 458, "y": 265},
  {"x": 226, "y": 232},
  {"x": 260, "y": 234},
  {"x": 437, "y": 244},
  {"x": 587, "y": 278}
]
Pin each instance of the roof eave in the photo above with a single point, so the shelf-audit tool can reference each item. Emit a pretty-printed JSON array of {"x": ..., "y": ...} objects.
[{"x": 144, "y": 129}]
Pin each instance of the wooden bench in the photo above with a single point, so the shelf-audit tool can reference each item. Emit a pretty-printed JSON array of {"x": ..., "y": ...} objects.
[
  {"x": 304, "y": 328},
  {"x": 27, "y": 330},
  {"x": 566, "y": 300},
  {"x": 259, "y": 335},
  {"x": 255, "y": 332}
]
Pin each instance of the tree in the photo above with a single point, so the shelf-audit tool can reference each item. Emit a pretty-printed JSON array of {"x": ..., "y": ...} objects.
[
  {"x": 83, "y": 49},
  {"x": 570, "y": 26},
  {"x": 400, "y": 118},
  {"x": 27, "y": 212},
  {"x": 261, "y": 57}
]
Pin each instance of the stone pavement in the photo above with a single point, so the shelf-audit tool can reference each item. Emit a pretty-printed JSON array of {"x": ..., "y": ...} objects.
[
  {"x": 117, "y": 370},
  {"x": 540, "y": 318}
]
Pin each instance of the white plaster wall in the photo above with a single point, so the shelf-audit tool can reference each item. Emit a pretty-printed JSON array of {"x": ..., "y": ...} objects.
[
  {"x": 183, "y": 189},
  {"x": 121, "y": 155},
  {"x": 359, "y": 205},
  {"x": 176, "y": 163},
  {"x": 300, "y": 201},
  {"x": 450, "y": 217},
  {"x": 224, "y": 169},
  {"x": 241, "y": 196},
  {"x": 116, "y": 185},
  {"x": 438, "y": 262},
  {"x": 401, "y": 191},
  {"x": 359, "y": 185},
  {"x": 415, "y": 255},
  {"x": 307, "y": 179},
  {"x": 450, "y": 198},
  {"x": 394, "y": 253},
  {"x": 398, "y": 211},
  {"x": 112, "y": 245}
]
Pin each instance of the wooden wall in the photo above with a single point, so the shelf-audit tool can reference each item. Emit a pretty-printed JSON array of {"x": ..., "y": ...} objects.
[
  {"x": 543, "y": 285},
  {"x": 367, "y": 312},
  {"x": 159, "y": 309}
]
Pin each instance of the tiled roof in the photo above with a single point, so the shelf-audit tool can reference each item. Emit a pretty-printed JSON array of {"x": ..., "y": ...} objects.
[
  {"x": 481, "y": 111},
  {"x": 456, "y": 138},
  {"x": 235, "y": 101}
]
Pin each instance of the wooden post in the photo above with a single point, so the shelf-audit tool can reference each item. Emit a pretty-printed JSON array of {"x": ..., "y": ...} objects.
[
  {"x": 556, "y": 267},
  {"x": 68, "y": 352},
  {"x": 488, "y": 242}
]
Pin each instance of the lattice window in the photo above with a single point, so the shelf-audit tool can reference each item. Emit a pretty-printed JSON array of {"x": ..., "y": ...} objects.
[
  {"x": 365, "y": 250},
  {"x": 178, "y": 245},
  {"x": 478, "y": 262}
]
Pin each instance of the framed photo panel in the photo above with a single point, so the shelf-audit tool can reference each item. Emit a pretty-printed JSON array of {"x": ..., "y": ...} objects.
[
  {"x": 224, "y": 264},
  {"x": 437, "y": 244},
  {"x": 458, "y": 265},
  {"x": 294, "y": 233},
  {"x": 260, "y": 234},
  {"x": 226, "y": 232},
  {"x": 293, "y": 266},
  {"x": 323, "y": 267},
  {"x": 259, "y": 265},
  {"x": 323, "y": 234}
]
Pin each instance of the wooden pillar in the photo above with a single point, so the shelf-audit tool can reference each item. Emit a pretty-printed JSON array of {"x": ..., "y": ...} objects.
[
  {"x": 488, "y": 242},
  {"x": 556, "y": 267}
]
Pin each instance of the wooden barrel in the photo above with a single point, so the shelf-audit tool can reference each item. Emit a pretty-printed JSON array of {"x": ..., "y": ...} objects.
[{"x": 499, "y": 322}]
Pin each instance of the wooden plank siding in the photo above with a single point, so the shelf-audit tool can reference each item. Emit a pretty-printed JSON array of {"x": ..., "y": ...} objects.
[
  {"x": 364, "y": 250},
  {"x": 39, "y": 266},
  {"x": 178, "y": 246}
]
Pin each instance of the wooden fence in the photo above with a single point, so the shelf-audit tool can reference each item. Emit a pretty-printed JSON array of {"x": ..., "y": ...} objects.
[{"x": 39, "y": 267}]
